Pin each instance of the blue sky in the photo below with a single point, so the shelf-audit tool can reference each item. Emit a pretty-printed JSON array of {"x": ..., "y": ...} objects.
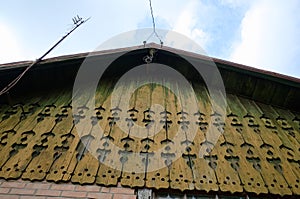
[{"x": 259, "y": 33}]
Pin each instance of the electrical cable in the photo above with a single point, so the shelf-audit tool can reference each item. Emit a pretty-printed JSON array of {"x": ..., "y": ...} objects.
[{"x": 153, "y": 26}]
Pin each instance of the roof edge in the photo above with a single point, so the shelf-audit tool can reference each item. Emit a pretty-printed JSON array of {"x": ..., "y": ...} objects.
[{"x": 226, "y": 64}]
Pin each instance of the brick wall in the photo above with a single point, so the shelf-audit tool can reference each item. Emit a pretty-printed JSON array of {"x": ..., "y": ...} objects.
[{"x": 43, "y": 190}]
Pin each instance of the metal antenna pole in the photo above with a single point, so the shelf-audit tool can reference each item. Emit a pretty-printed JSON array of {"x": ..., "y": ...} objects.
[{"x": 78, "y": 21}]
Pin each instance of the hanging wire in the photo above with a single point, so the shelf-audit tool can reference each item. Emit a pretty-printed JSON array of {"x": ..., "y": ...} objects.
[
  {"x": 153, "y": 26},
  {"x": 77, "y": 22},
  {"x": 152, "y": 15}
]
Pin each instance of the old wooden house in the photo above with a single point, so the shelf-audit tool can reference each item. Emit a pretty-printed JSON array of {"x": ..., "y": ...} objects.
[{"x": 51, "y": 147}]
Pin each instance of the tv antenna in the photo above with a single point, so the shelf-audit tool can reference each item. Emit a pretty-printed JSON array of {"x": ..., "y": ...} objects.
[{"x": 78, "y": 21}]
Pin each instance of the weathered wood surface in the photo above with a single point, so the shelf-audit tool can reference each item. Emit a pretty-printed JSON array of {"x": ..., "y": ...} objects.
[{"x": 250, "y": 147}]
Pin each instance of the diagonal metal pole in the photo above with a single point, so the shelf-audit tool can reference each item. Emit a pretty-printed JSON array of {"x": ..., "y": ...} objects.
[{"x": 78, "y": 22}]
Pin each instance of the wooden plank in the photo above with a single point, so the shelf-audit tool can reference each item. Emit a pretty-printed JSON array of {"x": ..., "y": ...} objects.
[
  {"x": 133, "y": 173},
  {"x": 13, "y": 110},
  {"x": 86, "y": 159},
  {"x": 20, "y": 151},
  {"x": 263, "y": 90},
  {"x": 204, "y": 174},
  {"x": 106, "y": 153},
  {"x": 285, "y": 130},
  {"x": 135, "y": 168},
  {"x": 215, "y": 136},
  {"x": 3, "y": 109},
  {"x": 106, "y": 175},
  {"x": 226, "y": 173},
  {"x": 181, "y": 174},
  {"x": 16, "y": 125},
  {"x": 215, "y": 121},
  {"x": 251, "y": 179},
  {"x": 11, "y": 118},
  {"x": 83, "y": 168},
  {"x": 158, "y": 173},
  {"x": 50, "y": 149},
  {"x": 250, "y": 133},
  {"x": 290, "y": 124},
  {"x": 296, "y": 170},
  {"x": 274, "y": 180},
  {"x": 62, "y": 169},
  {"x": 288, "y": 141},
  {"x": 233, "y": 127},
  {"x": 111, "y": 167},
  {"x": 267, "y": 125},
  {"x": 40, "y": 136},
  {"x": 86, "y": 170},
  {"x": 296, "y": 120}
]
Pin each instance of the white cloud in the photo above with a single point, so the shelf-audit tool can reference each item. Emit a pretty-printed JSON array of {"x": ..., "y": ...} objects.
[
  {"x": 183, "y": 18},
  {"x": 235, "y": 3},
  {"x": 187, "y": 21},
  {"x": 9, "y": 46},
  {"x": 270, "y": 37},
  {"x": 168, "y": 10}
]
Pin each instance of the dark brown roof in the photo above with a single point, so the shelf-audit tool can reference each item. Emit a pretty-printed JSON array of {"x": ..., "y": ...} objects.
[
  {"x": 156, "y": 46},
  {"x": 252, "y": 83}
]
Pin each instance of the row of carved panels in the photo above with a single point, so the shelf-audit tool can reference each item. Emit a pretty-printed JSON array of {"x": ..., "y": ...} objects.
[{"x": 50, "y": 129}]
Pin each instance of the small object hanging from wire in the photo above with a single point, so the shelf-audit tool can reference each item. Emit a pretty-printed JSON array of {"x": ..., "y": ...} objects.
[
  {"x": 154, "y": 28},
  {"x": 77, "y": 22},
  {"x": 148, "y": 58}
]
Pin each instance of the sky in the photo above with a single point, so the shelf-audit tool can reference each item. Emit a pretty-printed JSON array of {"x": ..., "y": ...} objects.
[{"x": 260, "y": 33}]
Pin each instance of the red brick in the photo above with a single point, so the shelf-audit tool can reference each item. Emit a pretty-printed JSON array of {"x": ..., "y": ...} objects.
[
  {"x": 13, "y": 184},
  {"x": 63, "y": 187},
  {"x": 4, "y": 190},
  {"x": 123, "y": 196},
  {"x": 121, "y": 190},
  {"x": 31, "y": 197},
  {"x": 37, "y": 186},
  {"x": 22, "y": 191},
  {"x": 100, "y": 195},
  {"x": 105, "y": 190},
  {"x": 9, "y": 197},
  {"x": 88, "y": 188},
  {"x": 73, "y": 194},
  {"x": 44, "y": 192},
  {"x": 58, "y": 198}
]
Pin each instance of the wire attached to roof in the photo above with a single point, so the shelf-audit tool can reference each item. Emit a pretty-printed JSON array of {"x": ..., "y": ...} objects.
[
  {"x": 78, "y": 21},
  {"x": 153, "y": 26}
]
